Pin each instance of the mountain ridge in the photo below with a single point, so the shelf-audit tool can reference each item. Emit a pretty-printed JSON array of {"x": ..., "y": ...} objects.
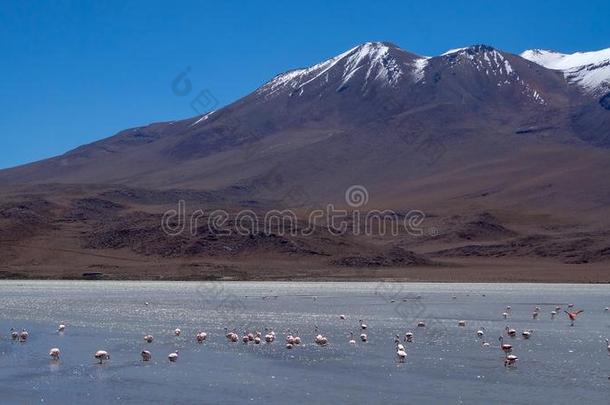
[{"x": 493, "y": 147}]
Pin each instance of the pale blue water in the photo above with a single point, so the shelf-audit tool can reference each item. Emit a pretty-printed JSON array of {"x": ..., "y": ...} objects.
[{"x": 446, "y": 363}]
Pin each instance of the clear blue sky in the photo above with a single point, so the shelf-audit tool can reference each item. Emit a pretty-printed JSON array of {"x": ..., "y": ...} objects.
[{"x": 72, "y": 72}]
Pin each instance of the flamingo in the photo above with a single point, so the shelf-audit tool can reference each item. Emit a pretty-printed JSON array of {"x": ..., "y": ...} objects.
[
  {"x": 504, "y": 315},
  {"x": 245, "y": 339},
  {"x": 461, "y": 323},
  {"x": 364, "y": 337},
  {"x": 510, "y": 360},
  {"x": 401, "y": 354},
  {"x": 481, "y": 332},
  {"x": 570, "y": 305},
  {"x": 201, "y": 336},
  {"x": 526, "y": 334},
  {"x": 320, "y": 339},
  {"x": 421, "y": 324},
  {"x": 409, "y": 337},
  {"x": 231, "y": 336},
  {"x": 149, "y": 338},
  {"x": 146, "y": 356},
  {"x": 296, "y": 338},
  {"x": 54, "y": 353},
  {"x": 251, "y": 337},
  {"x": 573, "y": 315},
  {"x": 173, "y": 357},
  {"x": 535, "y": 315},
  {"x": 341, "y": 316},
  {"x": 553, "y": 313},
  {"x": 505, "y": 347},
  {"x": 257, "y": 340},
  {"x": 269, "y": 337},
  {"x": 23, "y": 335},
  {"x": 510, "y": 332},
  {"x": 289, "y": 345},
  {"x": 485, "y": 344},
  {"x": 14, "y": 334},
  {"x": 352, "y": 341},
  {"x": 177, "y": 331},
  {"x": 61, "y": 328},
  {"x": 608, "y": 343},
  {"x": 362, "y": 325},
  {"x": 102, "y": 355}
]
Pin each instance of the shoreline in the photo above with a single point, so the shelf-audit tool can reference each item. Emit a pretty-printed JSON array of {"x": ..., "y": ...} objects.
[{"x": 257, "y": 269}]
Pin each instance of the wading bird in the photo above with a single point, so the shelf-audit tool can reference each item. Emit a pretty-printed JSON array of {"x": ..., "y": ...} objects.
[
  {"x": 510, "y": 360},
  {"x": 505, "y": 347},
  {"x": 231, "y": 336},
  {"x": 102, "y": 355},
  {"x": 573, "y": 315},
  {"x": 320, "y": 339},
  {"x": 173, "y": 357},
  {"x": 54, "y": 353},
  {"x": 201, "y": 337},
  {"x": 146, "y": 356},
  {"x": 401, "y": 354},
  {"x": 269, "y": 337}
]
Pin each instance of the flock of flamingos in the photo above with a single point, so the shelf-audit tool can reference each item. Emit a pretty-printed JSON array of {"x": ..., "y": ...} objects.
[{"x": 293, "y": 340}]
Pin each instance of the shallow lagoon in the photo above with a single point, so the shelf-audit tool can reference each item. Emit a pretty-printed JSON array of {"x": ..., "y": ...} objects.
[{"x": 445, "y": 364}]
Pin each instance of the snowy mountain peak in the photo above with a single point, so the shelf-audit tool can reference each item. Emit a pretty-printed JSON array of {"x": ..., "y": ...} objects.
[
  {"x": 590, "y": 70},
  {"x": 473, "y": 49},
  {"x": 377, "y": 62},
  {"x": 483, "y": 58}
]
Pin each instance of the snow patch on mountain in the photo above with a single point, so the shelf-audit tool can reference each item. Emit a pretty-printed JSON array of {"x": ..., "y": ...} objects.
[
  {"x": 419, "y": 68},
  {"x": 203, "y": 118},
  {"x": 563, "y": 61},
  {"x": 590, "y": 70},
  {"x": 375, "y": 59},
  {"x": 494, "y": 65}
]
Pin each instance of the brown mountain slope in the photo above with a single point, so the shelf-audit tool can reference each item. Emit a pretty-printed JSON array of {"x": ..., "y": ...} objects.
[{"x": 506, "y": 159}]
